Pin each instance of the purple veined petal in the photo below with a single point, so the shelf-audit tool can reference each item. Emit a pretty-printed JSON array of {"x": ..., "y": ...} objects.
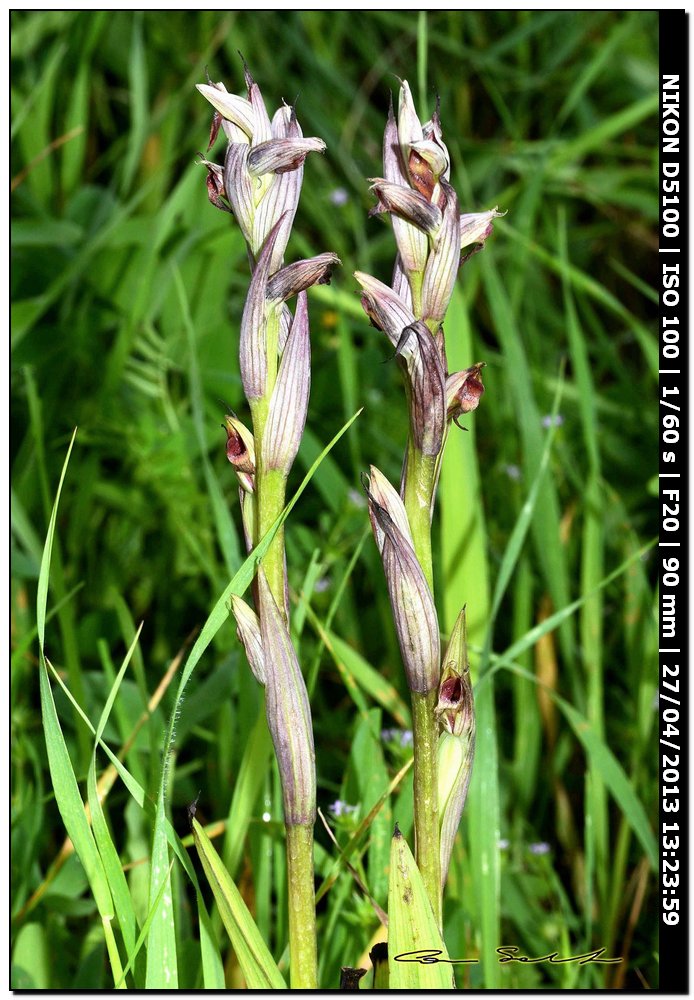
[
  {"x": 394, "y": 169},
  {"x": 408, "y": 204},
  {"x": 427, "y": 387},
  {"x": 238, "y": 186},
  {"x": 289, "y": 401},
  {"x": 444, "y": 261},
  {"x": 432, "y": 131},
  {"x": 475, "y": 227},
  {"x": 281, "y": 195},
  {"x": 286, "y": 320},
  {"x": 409, "y": 125},
  {"x": 248, "y": 631},
  {"x": 412, "y": 242},
  {"x": 247, "y": 504},
  {"x": 400, "y": 284},
  {"x": 279, "y": 201},
  {"x": 284, "y": 124},
  {"x": 386, "y": 310},
  {"x": 262, "y": 129},
  {"x": 302, "y": 274},
  {"x": 412, "y": 604},
  {"x": 386, "y": 496},
  {"x": 231, "y": 107},
  {"x": 252, "y": 348},
  {"x": 288, "y": 713},
  {"x": 281, "y": 155}
]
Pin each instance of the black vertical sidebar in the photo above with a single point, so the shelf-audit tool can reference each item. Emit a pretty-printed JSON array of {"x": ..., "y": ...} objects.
[{"x": 673, "y": 407}]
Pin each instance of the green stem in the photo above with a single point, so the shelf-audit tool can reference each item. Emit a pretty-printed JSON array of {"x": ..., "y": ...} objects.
[
  {"x": 418, "y": 498},
  {"x": 420, "y": 481},
  {"x": 303, "y": 961},
  {"x": 270, "y": 487},
  {"x": 426, "y": 796}
]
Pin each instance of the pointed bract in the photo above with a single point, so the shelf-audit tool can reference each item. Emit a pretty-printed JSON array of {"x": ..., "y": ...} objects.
[
  {"x": 387, "y": 497},
  {"x": 427, "y": 387},
  {"x": 248, "y": 631},
  {"x": 455, "y": 759},
  {"x": 444, "y": 260},
  {"x": 289, "y": 401},
  {"x": 288, "y": 713},
  {"x": 252, "y": 348},
  {"x": 239, "y": 188},
  {"x": 412, "y": 604}
]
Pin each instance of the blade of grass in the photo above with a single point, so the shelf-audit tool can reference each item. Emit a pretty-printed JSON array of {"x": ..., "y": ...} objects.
[
  {"x": 412, "y": 927},
  {"x": 257, "y": 964},
  {"x": 109, "y": 855},
  {"x": 606, "y": 764}
]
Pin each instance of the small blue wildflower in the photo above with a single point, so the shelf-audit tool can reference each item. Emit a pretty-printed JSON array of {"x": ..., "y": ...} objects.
[
  {"x": 339, "y": 196},
  {"x": 356, "y": 498},
  {"x": 550, "y": 421},
  {"x": 401, "y": 736},
  {"x": 503, "y": 844},
  {"x": 539, "y": 848},
  {"x": 322, "y": 584},
  {"x": 513, "y": 472},
  {"x": 340, "y": 808}
]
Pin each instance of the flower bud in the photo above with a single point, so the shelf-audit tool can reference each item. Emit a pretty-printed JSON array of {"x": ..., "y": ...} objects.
[
  {"x": 463, "y": 391},
  {"x": 248, "y": 632},
  {"x": 289, "y": 400},
  {"x": 411, "y": 601},
  {"x": 387, "y": 497},
  {"x": 454, "y": 708},
  {"x": 240, "y": 450},
  {"x": 477, "y": 226},
  {"x": 455, "y": 758},
  {"x": 288, "y": 713}
]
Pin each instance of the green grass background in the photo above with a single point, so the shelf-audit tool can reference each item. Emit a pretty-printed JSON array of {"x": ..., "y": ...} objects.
[{"x": 127, "y": 291}]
